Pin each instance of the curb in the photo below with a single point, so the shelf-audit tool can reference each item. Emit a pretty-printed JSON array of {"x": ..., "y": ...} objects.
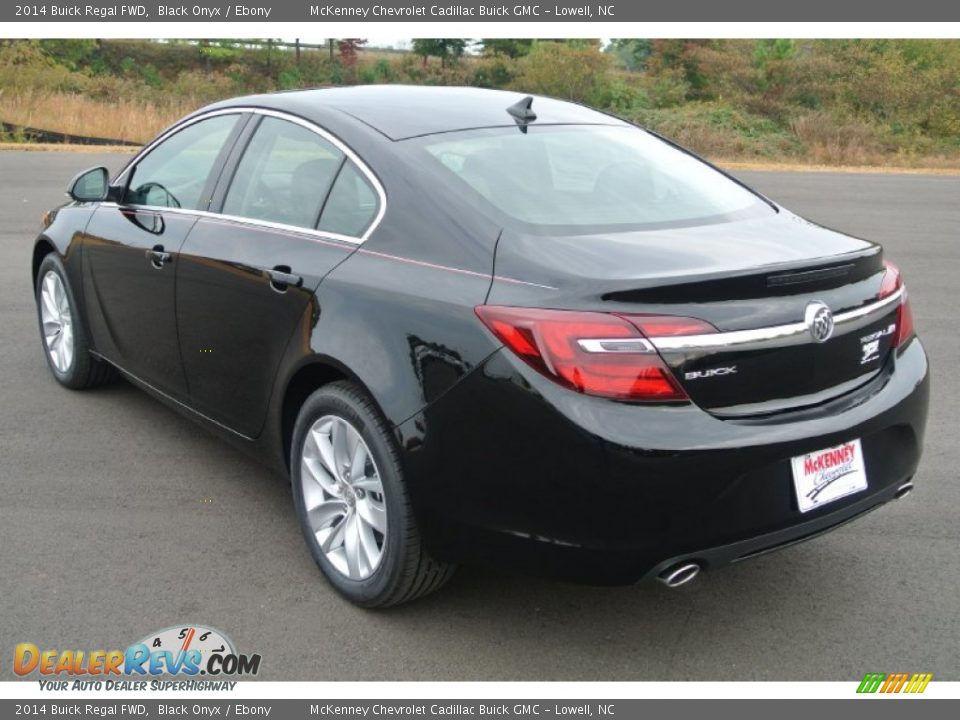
[{"x": 37, "y": 135}]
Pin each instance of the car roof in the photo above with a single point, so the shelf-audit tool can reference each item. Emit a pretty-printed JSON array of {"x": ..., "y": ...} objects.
[{"x": 404, "y": 111}]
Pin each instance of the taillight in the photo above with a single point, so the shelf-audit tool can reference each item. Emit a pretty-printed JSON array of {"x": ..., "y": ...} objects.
[
  {"x": 891, "y": 282},
  {"x": 905, "y": 329},
  {"x": 591, "y": 352}
]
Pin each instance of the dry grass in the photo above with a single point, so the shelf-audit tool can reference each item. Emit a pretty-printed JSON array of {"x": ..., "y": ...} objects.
[
  {"x": 68, "y": 148},
  {"x": 918, "y": 169},
  {"x": 829, "y": 147},
  {"x": 829, "y": 142},
  {"x": 78, "y": 115}
]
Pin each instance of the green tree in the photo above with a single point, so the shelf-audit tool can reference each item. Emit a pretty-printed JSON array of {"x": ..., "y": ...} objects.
[
  {"x": 512, "y": 48},
  {"x": 447, "y": 49},
  {"x": 773, "y": 61},
  {"x": 631, "y": 53},
  {"x": 682, "y": 57}
]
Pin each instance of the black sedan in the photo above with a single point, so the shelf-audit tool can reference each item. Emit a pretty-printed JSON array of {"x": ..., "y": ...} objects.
[{"x": 476, "y": 326}]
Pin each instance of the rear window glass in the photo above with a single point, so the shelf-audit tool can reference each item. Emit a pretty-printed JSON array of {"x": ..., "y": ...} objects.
[
  {"x": 351, "y": 206},
  {"x": 284, "y": 175},
  {"x": 587, "y": 176}
]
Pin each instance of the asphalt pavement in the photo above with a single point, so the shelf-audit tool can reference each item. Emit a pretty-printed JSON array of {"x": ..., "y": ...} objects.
[{"x": 118, "y": 517}]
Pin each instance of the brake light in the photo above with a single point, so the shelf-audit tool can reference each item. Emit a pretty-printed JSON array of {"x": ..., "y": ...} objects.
[
  {"x": 905, "y": 329},
  {"x": 591, "y": 352},
  {"x": 891, "y": 282}
]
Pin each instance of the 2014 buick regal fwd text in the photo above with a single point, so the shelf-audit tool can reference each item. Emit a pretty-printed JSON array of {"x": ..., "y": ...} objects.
[{"x": 474, "y": 326}]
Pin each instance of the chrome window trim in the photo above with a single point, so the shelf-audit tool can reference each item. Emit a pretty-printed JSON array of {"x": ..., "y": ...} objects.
[
  {"x": 295, "y": 119},
  {"x": 777, "y": 335},
  {"x": 320, "y": 234}
]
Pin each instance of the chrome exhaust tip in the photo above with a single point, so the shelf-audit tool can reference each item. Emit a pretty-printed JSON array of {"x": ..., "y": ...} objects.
[
  {"x": 679, "y": 574},
  {"x": 903, "y": 491}
]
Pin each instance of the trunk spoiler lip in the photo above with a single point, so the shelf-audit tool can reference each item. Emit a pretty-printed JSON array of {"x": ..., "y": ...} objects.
[{"x": 775, "y": 336}]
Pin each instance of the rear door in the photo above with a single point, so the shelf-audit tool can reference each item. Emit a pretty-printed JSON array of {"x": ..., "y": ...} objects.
[
  {"x": 247, "y": 273},
  {"x": 131, "y": 249}
]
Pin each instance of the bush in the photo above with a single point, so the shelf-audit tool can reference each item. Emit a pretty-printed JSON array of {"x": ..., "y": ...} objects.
[
  {"x": 382, "y": 72},
  {"x": 836, "y": 101},
  {"x": 289, "y": 79},
  {"x": 720, "y": 130},
  {"x": 563, "y": 71},
  {"x": 621, "y": 97},
  {"x": 492, "y": 73}
]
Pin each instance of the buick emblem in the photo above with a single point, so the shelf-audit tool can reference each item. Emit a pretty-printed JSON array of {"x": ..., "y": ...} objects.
[{"x": 819, "y": 321}]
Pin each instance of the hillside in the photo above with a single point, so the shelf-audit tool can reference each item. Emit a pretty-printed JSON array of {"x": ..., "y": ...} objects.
[{"x": 835, "y": 102}]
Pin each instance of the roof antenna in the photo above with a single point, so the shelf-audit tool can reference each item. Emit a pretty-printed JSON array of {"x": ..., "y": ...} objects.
[{"x": 522, "y": 113}]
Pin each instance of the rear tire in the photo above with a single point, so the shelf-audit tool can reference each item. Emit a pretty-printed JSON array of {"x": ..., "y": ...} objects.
[
  {"x": 352, "y": 502},
  {"x": 66, "y": 344}
]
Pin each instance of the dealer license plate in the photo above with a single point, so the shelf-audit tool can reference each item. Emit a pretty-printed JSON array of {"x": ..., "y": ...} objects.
[{"x": 826, "y": 475}]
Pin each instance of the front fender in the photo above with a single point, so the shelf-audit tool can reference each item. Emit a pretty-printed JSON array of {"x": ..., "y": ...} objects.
[{"x": 64, "y": 235}]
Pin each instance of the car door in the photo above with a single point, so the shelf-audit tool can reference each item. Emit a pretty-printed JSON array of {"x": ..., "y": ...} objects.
[
  {"x": 247, "y": 273},
  {"x": 131, "y": 246}
]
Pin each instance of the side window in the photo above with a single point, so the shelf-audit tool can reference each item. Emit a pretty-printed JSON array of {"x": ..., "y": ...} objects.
[
  {"x": 284, "y": 176},
  {"x": 175, "y": 172},
  {"x": 352, "y": 204}
]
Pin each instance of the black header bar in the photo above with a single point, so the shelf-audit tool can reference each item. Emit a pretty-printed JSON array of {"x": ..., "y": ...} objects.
[{"x": 568, "y": 11}]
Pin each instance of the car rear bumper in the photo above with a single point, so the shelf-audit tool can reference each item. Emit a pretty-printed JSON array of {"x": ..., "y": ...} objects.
[{"x": 509, "y": 468}]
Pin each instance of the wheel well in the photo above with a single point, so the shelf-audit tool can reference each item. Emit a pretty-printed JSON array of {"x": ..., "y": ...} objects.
[
  {"x": 40, "y": 251},
  {"x": 306, "y": 380}
]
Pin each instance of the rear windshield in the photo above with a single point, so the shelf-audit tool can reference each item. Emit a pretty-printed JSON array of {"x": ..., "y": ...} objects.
[{"x": 587, "y": 177}]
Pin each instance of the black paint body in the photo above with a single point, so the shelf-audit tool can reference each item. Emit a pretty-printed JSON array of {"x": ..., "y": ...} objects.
[{"x": 503, "y": 464}]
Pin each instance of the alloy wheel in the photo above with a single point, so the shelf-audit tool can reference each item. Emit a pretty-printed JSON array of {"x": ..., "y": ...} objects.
[
  {"x": 57, "y": 321},
  {"x": 343, "y": 497}
]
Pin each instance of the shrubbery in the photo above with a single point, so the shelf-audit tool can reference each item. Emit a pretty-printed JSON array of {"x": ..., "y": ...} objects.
[{"x": 836, "y": 101}]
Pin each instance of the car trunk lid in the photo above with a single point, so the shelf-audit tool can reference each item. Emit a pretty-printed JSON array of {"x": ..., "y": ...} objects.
[{"x": 760, "y": 283}]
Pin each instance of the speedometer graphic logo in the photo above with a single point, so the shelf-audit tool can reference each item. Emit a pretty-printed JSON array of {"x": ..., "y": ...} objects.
[
  {"x": 178, "y": 640},
  {"x": 190, "y": 650}
]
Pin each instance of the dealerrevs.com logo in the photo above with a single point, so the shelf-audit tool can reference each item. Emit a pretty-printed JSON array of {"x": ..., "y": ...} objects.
[{"x": 187, "y": 650}]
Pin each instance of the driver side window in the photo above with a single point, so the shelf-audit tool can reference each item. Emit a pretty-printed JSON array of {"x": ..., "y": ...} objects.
[{"x": 175, "y": 172}]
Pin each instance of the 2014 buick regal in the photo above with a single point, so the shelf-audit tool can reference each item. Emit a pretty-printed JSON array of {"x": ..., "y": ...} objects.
[{"x": 476, "y": 326}]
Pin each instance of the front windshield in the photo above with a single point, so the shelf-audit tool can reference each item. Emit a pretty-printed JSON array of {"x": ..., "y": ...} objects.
[{"x": 588, "y": 176}]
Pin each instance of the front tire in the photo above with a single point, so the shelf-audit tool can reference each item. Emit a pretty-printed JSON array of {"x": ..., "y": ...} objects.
[
  {"x": 352, "y": 502},
  {"x": 66, "y": 344}
]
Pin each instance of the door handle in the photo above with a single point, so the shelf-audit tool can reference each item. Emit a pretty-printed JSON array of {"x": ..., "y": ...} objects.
[
  {"x": 158, "y": 257},
  {"x": 281, "y": 278}
]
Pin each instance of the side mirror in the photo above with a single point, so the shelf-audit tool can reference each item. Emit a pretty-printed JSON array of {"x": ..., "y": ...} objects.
[{"x": 90, "y": 185}]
